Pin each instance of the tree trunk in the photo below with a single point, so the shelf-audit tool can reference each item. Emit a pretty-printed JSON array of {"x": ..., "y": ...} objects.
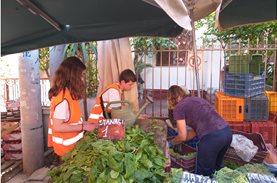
[
  {"x": 57, "y": 55},
  {"x": 30, "y": 107}
]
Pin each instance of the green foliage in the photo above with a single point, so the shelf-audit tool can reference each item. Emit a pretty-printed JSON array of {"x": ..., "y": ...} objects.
[
  {"x": 88, "y": 53},
  {"x": 44, "y": 60},
  {"x": 144, "y": 44},
  {"x": 185, "y": 156},
  {"x": 231, "y": 165},
  {"x": 239, "y": 174},
  {"x": 252, "y": 32},
  {"x": 135, "y": 159},
  {"x": 228, "y": 175},
  {"x": 254, "y": 168},
  {"x": 176, "y": 175},
  {"x": 147, "y": 46}
]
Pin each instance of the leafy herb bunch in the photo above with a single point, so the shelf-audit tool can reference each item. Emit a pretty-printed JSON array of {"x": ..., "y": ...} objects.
[{"x": 135, "y": 159}]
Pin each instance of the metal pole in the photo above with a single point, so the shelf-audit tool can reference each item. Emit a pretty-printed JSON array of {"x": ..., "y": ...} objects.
[
  {"x": 31, "y": 113},
  {"x": 56, "y": 56},
  {"x": 195, "y": 56}
]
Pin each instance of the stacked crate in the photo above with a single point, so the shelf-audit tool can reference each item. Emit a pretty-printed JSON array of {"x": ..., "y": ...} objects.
[
  {"x": 12, "y": 145},
  {"x": 272, "y": 108},
  {"x": 244, "y": 103}
]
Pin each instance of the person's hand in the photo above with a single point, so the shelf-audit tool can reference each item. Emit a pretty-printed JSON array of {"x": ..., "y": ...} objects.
[{"x": 89, "y": 126}]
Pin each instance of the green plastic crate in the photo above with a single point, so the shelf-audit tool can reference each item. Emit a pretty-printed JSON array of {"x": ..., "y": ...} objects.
[
  {"x": 257, "y": 66},
  {"x": 246, "y": 64}
]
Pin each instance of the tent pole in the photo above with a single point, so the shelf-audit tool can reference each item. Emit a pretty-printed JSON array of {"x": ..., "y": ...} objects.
[{"x": 195, "y": 57}]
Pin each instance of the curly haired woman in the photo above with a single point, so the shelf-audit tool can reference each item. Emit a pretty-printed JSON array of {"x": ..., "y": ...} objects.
[
  {"x": 215, "y": 135},
  {"x": 66, "y": 126}
]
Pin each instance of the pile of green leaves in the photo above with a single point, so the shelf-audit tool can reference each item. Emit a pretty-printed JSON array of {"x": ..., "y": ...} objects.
[
  {"x": 231, "y": 165},
  {"x": 92, "y": 160},
  {"x": 176, "y": 175},
  {"x": 228, "y": 175},
  {"x": 239, "y": 175},
  {"x": 254, "y": 168},
  {"x": 185, "y": 156}
]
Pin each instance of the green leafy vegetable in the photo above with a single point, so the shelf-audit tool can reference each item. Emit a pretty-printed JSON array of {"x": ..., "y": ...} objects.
[
  {"x": 136, "y": 159},
  {"x": 225, "y": 175}
]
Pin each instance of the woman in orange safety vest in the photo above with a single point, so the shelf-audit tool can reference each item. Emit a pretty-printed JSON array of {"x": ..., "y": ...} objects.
[{"x": 66, "y": 126}]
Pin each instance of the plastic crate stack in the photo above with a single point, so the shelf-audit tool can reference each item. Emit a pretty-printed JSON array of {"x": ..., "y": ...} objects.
[
  {"x": 244, "y": 103},
  {"x": 272, "y": 96}
]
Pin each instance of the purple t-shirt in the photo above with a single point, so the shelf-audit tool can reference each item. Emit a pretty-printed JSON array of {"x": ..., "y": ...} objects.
[{"x": 199, "y": 114}]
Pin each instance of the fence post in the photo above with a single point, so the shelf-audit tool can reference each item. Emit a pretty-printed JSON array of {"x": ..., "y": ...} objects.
[{"x": 7, "y": 91}]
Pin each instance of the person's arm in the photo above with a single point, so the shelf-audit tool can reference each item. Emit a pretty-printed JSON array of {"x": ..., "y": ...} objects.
[
  {"x": 61, "y": 114},
  {"x": 183, "y": 134},
  {"x": 60, "y": 126}
]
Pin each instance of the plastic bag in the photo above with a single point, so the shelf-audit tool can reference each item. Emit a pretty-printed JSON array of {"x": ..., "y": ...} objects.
[{"x": 244, "y": 147}]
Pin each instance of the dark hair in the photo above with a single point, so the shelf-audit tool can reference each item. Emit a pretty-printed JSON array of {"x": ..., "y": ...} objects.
[
  {"x": 68, "y": 75},
  {"x": 174, "y": 92},
  {"x": 127, "y": 75}
]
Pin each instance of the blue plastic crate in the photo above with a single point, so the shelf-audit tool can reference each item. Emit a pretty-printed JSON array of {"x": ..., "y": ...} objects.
[
  {"x": 243, "y": 85},
  {"x": 256, "y": 108}
]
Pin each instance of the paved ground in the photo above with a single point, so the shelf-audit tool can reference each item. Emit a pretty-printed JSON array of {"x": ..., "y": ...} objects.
[{"x": 39, "y": 176}]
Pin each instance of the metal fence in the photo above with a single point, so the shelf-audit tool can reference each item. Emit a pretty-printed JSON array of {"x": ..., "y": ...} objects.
[
  {"x": 166, "y": 67},
  {"x": 10, "y": 91}
]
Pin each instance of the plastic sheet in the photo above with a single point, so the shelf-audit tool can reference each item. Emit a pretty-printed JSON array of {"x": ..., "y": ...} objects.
[{"x": 244, "y": 147}]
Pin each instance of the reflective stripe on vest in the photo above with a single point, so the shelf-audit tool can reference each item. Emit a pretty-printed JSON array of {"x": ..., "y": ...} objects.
[
  {"x": 68, "y": 142},
  {"x": 96, "y": 116}
]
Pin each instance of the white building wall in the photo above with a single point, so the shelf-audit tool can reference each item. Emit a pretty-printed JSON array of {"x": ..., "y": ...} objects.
[{"x": 163, "y": 77}]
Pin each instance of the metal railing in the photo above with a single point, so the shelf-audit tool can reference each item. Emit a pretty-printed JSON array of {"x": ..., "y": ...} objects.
[
  {"x": 169, "y": 67},
  {"x": 164, "y": 68},
  {"x": 10, "y": 91}
]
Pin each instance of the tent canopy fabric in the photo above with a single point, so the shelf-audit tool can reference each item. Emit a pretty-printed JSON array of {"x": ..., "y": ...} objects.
[
  {"x": 32, "y": 24},
  {"x": 183, "y": 11},
  {"x": 233, "y": 13},
  {"x": 114, "y": 56}
]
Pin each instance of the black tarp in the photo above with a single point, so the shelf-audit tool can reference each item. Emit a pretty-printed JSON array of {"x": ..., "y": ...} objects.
[
  {"x": 83, "y": 20},
  {"x": 235, "y": 13}
]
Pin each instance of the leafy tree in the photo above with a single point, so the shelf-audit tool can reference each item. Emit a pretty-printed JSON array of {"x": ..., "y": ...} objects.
[
  {"x": 44, "y": 60},
  {"x": 87, "y": 52},
  {"x": 262, "y": 32}
]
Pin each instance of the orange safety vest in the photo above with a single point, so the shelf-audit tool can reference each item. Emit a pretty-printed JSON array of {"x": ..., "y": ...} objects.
[
  {"x": 96, "y": 113},
  {"x": 62, "y": 142}
]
